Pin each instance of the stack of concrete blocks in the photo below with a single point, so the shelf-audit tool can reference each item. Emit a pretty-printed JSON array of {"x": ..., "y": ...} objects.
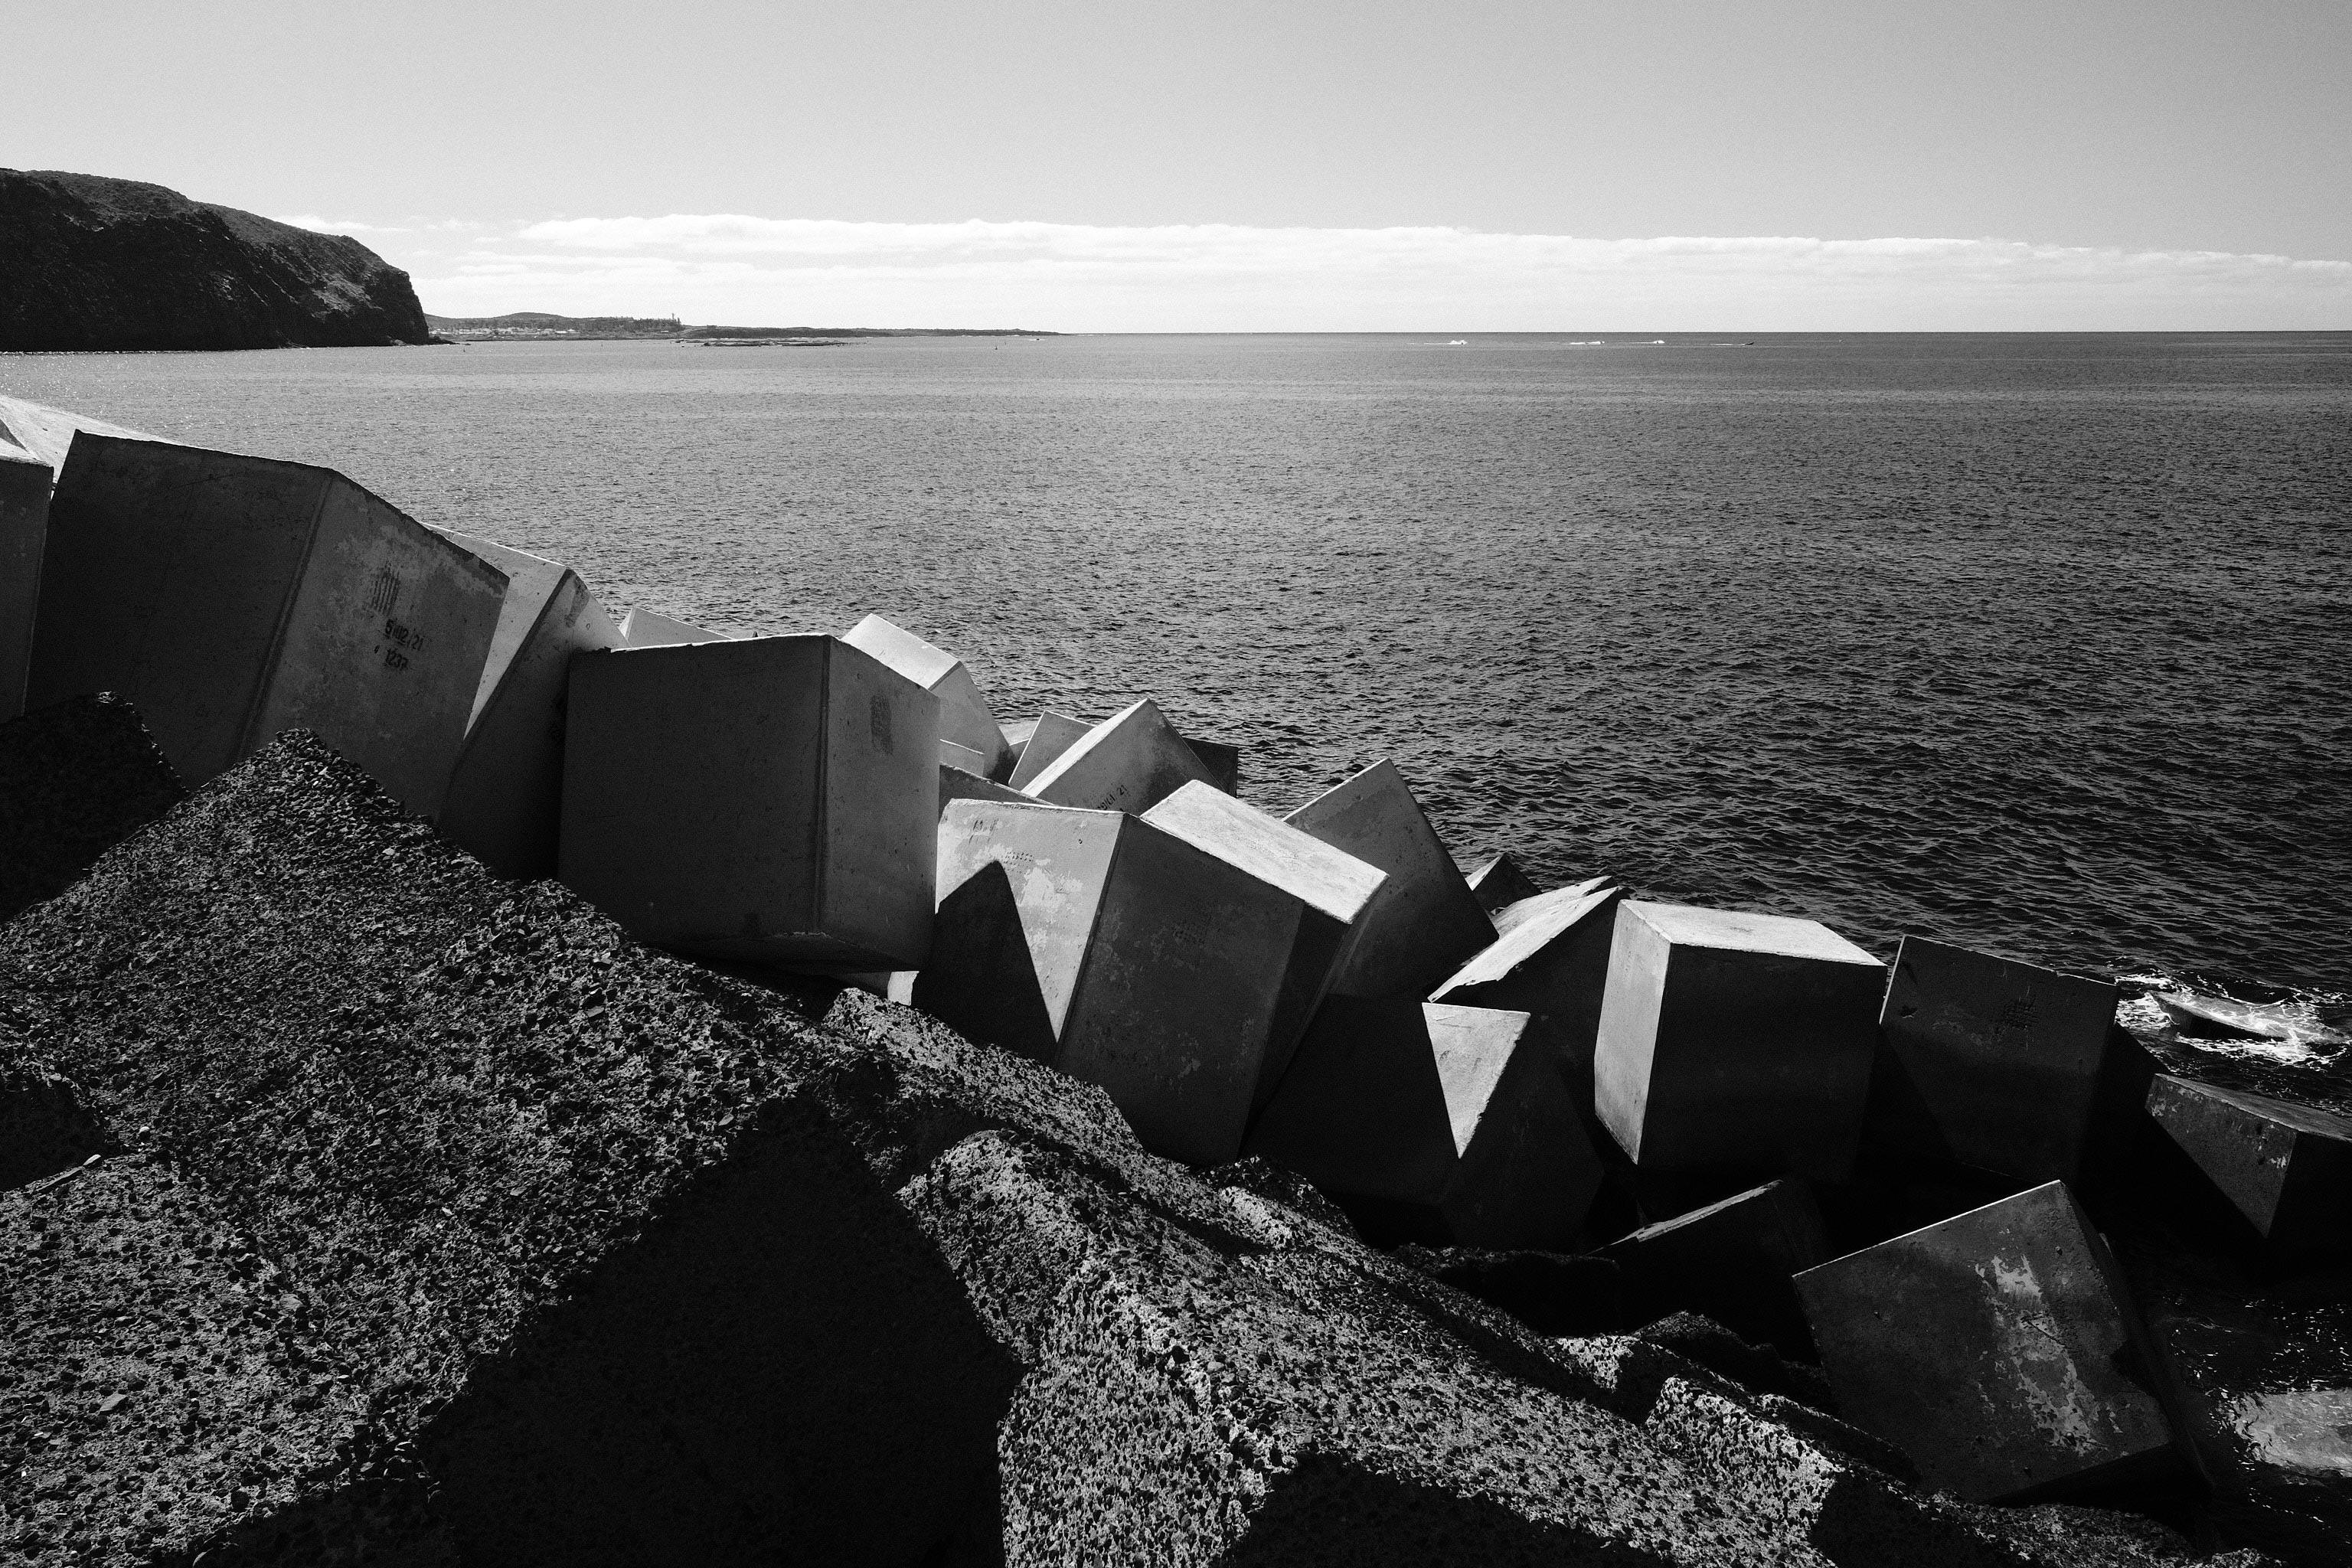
[
  {"x": 1173, "y": 959},
  {"x": 1130, "y": 763},
  {"x": 1549, "y": 957},
  {"x": 1499, "y": 883},
  {"x": 2287, "y": 1168},
  {"x": 969, "y": 736},
  {"x": 505, "y": 793},
  {"x": 1733, "y": 1261},
  {"x": 1732, "y": 1046},
  {"x": 1999, "y": 1349},
  {"x": 651, "y": 629},
  {"x": 1427, "y": 920},
  {"x": 1995, "y": 1065},
  {"x": 230, "y": 598},
  {"x": 767, "y": 801},
  {"x": 1450, "y": 1125}
]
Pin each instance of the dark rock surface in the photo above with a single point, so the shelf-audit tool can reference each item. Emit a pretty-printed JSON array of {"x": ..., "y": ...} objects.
[
  {"x": 76, "y": 778},
  {"x": 101, "y": 264}
]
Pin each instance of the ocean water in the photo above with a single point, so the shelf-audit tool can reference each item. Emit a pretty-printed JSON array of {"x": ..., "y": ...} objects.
[{"x": 2043, "y": 645}]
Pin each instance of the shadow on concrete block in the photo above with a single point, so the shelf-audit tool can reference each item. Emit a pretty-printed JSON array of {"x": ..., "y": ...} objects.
[
  {"x": 766, "y": 800},
  {"x": 24, "y": 529},
  {"x": 965, "y": 717},
  {"x": 231, "y": 598},
  {"x": 2287, "y": 1168},
  {"x": 1551, "y": 959},
  {"x": 505, "y": 799},
  {"x": 1499, "y": 882},
  {"x": 1733, "y": 1045},
  {"x": 1425, "y": 921},
  {"x": 1732, "y": 1262},
  {"x": 76, "y": 778},
  {"x": 1130, "y": 762},
  {"x": 1445, "y": 1125},
  {"x": 962, "y": 784},
  {"x": 1999, "y": 1349}
]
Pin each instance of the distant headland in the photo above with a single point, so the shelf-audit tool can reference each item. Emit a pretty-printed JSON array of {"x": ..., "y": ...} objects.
[{"x": 540, "y": 326}]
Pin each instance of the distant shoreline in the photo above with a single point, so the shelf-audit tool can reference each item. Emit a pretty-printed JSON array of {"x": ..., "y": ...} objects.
[{"x": 535, "y": 326}]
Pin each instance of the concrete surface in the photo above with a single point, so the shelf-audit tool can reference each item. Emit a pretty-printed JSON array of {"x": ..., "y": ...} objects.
[
  {"x": 965, "y": 717},
  {"x": 1128, "y": 763},
  {"x": 1732, "y": 1261},
  {"x": 1499, "y": 882},
  {"x": 1050, "y": 735},
  {"x": 651, "y": 629},
  {"x": 1551, "y": 959},
  {"x": 2287, "y": 1168},
  {"x": 1425, "y": 919}
]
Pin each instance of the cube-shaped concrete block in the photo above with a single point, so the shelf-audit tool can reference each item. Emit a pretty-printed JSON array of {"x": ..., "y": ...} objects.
[
  {"x": 1127, "y": 762},
  {"x": 1426, "y": 921},
  {"x": 651, "y": 629},
  {"x": 230, "y": 598},
  {"x": 1452, "y": 1123},
  {"x": 761, "y": 800},
  {"x": 1551, "y": 959},
  {"x": 1998, "y": 1349},
  {"x": 1735, "y": 1044},
  {"x": 2287, "y": 1167},
  {"x": 1989, "y": 1063},
  {"x": 1223, "y": 762},
  {"x": 965, "y": 717},
  {"x": 1499, "y": 882},
  {"x": 504, "y": 803},
  {"x": 1050, "y": 734},
  {"x": 46, "y": 435},
  {"x": 1333, "y": 889},
  {"x": 24, "y": 526},
  {"x": 1106, "y": 947},
  {"x": 953, "y": 755},
  {"x": 1733, "y": 1261},
  {"x": 961, "y": 783}
]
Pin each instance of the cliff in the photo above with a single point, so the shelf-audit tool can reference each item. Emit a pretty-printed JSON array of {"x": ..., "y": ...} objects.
[{"x": 101, "y": 264}]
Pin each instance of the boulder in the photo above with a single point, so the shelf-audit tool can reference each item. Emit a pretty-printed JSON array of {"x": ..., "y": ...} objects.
[
  {"x": 1550, "y": 958},
  {"x": 1498, "y": 881},
  {"x": 763, "y": 800},
  {"x": 965, "y": 718},
  {"x": 1425, "y": 921},
  {"x": 233, "y": 597},
  {"x": 1733, "y": 1261},
  {"x": 1734, "y": 1045},
  {"x": 2287, "y": 1168},
  {"x": 1442, "y": 1124},
  {"x": 96, "y": 264},
  {"x": 1128, "y": 763},
  {"x": 504, "y": 802},
  {"x": 1998, "y": 1349},
  {"x": 1991, "y": 1064},
  {"x": 77, "y": 777}
]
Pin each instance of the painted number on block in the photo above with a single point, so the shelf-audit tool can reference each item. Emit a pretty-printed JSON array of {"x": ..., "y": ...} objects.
[{"x": 878, "y": 712}]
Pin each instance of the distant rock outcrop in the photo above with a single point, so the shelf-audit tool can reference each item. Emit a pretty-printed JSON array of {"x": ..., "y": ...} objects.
[{"x": 94, "y": 263}]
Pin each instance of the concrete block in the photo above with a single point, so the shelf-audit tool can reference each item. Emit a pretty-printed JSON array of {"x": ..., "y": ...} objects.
[
  {"x": 1051, "y": 735},
  {"x": 1333, "y": 888},
  {"x": 1998, "y": 1349},
  {"x": 1499, "y": 882},
  {"x": 1425, "y": 921},
  {"x": 2287, "y": 1167},
  {"x": 961, "y": 783},
  {"x": 651, "y": 629},
  {"x": 955, "y": 756},
  {"x": 1733, "y": 1044},
  {"x": 1127, "y": 762},
  {"x": 1732, "y": 1261},
  {"x": 1989, "y": 1063},
  {"x": 230, "y": 598},
  {"x": 1453, "y": 1122},
  {"x": 1114, "y": 950},
  {"x": 965, "y": 717},
  {"x": 45, "y": 435},
  {"x": 1551, "y": 959},
  {"x": 504, "y": 804},
  {"x": 1223, "y": 761},
  {"x": 765, "y": 800},
  {"x": 24, "y": 526}
]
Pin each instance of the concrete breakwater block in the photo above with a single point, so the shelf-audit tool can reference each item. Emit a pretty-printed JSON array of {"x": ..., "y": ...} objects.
[
  {"x": 45, "y": 435},
  {"x": 1998, "y": 1349},
  {"x": 1732, "y": 1261},
  {"x": 766, "y": 800},
  {"x": 1551, "y": 959},
  {"x": 24, "y": 529},
  {"x": 1451, "y": 1123},
  {"x": 651, "y": 629},
  {"x": 1127, "y": 762},
  {"x": 1332, "y": 889},
  {"x": 1223, "y": 761},
  {"x": 1425, "y": 919},
  {"x": 230, "y": 598},
  {"x": 2287, "y": 1167},
  {"x": 1732, "y": 1043},
  {"x": 76, "y": 778},
  {"x": 1050, "y": 734},
  {"x": 1499, "y": 882},
  {"x": 961, "y": 783},
  {"x": 1112, "y": 948},
  {"x": 965, "y": 717},
  {"x": 1990, "y": 1063},
  {"x": 505, "y": 795}
]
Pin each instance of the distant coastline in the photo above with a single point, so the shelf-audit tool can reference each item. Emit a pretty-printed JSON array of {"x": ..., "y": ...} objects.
[{"x": 539, "y": 326}]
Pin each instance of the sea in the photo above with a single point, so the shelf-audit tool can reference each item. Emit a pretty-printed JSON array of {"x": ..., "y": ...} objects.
[{"x": 2039, "y": 644}]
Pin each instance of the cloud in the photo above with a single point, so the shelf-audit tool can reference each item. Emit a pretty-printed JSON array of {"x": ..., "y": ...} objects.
[
  {"x": 1219, "y": 277},
  {"x": 337, "y": 226}
]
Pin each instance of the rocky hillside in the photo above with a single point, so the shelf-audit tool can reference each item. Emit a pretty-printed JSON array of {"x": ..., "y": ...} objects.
[{"x": 94, "y": 263}]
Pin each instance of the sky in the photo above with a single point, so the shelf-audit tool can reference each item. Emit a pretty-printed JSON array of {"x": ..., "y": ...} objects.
[{"x": 1479, "y": 165}]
